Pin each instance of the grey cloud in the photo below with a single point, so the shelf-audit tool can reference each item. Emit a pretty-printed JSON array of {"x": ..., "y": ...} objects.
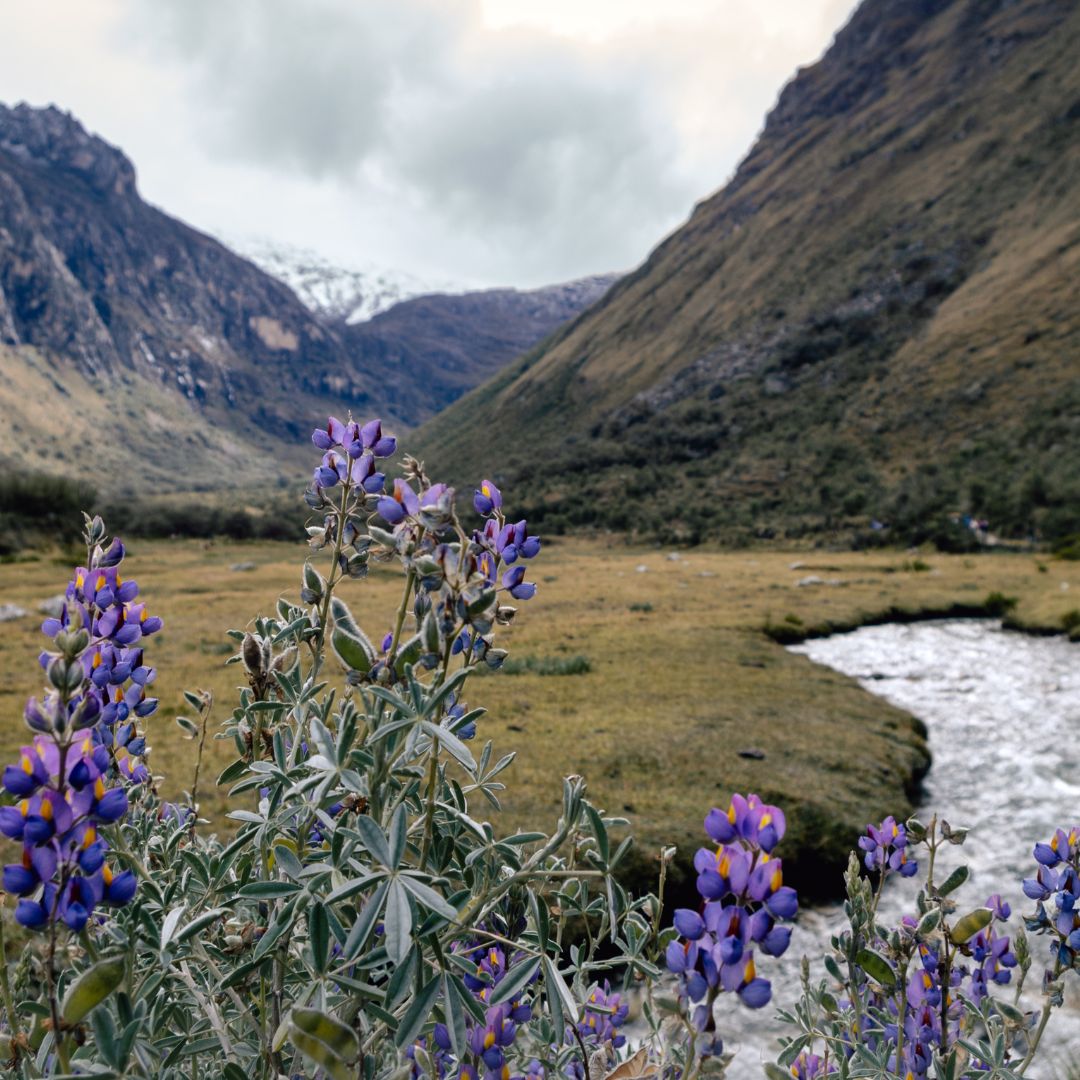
[{"x": 520, "y": 141}]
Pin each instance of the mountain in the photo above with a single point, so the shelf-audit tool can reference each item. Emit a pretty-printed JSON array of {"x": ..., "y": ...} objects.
[
  {"x": 432, "y": 349},
  {"x": 339, "y": 294},
  {"x": 427, "y": 343},
  {"x": 156, "y": 359},
  {"x": 877, "y": 318},
  {"x": 148, "y": 353}
]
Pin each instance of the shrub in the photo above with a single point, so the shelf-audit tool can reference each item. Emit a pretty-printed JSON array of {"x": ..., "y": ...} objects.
[{"x": 547, "y": 665}]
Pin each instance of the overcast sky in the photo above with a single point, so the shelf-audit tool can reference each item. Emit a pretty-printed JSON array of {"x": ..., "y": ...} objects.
[{"x": 479, "y": 141}]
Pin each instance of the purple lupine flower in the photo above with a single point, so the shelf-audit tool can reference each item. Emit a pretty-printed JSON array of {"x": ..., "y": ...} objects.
[
  {"x": 745, "y": 901},
  {"x": 513, "y": 580},
  {"x": 487, "y": 498},
  {"x": 514, "y": 542},
  {"x": 373, "y": 439},
  {"x": 885, "y": 848},
  {"x": 401, "y": 502},
  {"x": 62, "y": 873},
  {"x": 604, "y": 1013},
  {"x": 750, "y": 819},
  {"x": 809, "y": 1066},
  {"x": 490, "y": 1041}
]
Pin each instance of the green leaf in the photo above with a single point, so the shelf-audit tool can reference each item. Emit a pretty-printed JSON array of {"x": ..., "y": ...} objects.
[
  {"x": 374, "y": 840},
  {"x": 91, "y": 988},
  {"x": 105, "y": 1036},
  {"x": 232, "y": 772},
  {"x": 1011, "y": 1014},
  {"x": 876, "y": 966},
  {"x": 287, "y": 860},
  {"x": 200, "y": 923},
  {"x": 954, "y": 881},
  {"x": 451, "y": 742},
  {"x": 967, "y": 927},
  {"x": 541, "y": 919},
  {"x": 398, "y": 836},
  {"x": 269, "y": 890},
  {"x": 397, "y": 922},
  {"x": 282, "y": 923},
  {"x": 319, "y": 932},
  {"x": 169, "y": 925},
  {"x": 455, "y": 1018},
  {"x": 416, "y": 1015},
  {"x": 563, "y": 1006},
  {"x": 516, "y": 979},
  {"x": 600, "y": 832},
  {"x": 429, "y": 897}
]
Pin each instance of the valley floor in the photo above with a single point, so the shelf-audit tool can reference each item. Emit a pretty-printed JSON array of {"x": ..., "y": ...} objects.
[{"x": 685, "y": 699}]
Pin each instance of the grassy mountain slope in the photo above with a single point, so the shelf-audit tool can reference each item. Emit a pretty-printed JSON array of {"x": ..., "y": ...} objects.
[{"x": 877, "y": 317}]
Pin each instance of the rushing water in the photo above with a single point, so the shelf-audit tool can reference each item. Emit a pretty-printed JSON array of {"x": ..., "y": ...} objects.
[{"x": 1003, "y": 714}]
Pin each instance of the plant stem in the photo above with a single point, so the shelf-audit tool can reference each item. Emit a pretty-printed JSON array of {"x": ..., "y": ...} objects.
[
  {"x": 429, "y": 812},
  {"x": 5, "y": 985},
  {"x": 1047, "y": 1008},
  {"x": 59, "y": 1040},
  {"x": 208, "y": 702},
  {"x": 395, "y": 639}
]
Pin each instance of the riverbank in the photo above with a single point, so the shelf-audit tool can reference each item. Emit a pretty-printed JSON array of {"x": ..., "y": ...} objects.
[{"x": 657, "y": 676}]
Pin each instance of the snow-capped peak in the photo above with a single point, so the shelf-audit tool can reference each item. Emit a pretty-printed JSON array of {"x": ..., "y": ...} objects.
[{"x": 350, "y": 294}]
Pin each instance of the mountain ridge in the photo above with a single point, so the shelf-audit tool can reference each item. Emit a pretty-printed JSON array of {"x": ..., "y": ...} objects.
[{"x": 157, "y": 344}]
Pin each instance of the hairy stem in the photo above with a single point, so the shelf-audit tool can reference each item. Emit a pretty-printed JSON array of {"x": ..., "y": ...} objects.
[
  {"x": 1044, "y": 1018},
  {"x": 5, "y": 986},
  {"x": 208, "y": 702}
]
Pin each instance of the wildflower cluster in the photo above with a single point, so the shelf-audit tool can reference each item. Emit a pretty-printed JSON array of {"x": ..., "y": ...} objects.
[
  {"x": 63, "y": 800},
  {"x": 744, "y": 904},
  {"x": 885, "y": 848},
  {"x": 70, "y": 781},
  {"x": 916, "y": 998},
  {"x": 491, "y": 1048},
  {"x": 1056, "y": 889}
]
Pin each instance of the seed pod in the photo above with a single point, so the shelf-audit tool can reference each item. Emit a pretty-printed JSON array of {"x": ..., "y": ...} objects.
[
  {"x": 253, "y": 655},
  {"x": 967, "y": 927},
  {"x": 284, "y": 661}
]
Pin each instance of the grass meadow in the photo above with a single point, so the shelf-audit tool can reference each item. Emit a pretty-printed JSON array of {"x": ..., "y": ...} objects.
[{"x": 648, "y": 672}]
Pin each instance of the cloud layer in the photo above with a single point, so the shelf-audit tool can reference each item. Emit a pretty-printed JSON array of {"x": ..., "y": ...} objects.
[{"x": 546, "y": 142}]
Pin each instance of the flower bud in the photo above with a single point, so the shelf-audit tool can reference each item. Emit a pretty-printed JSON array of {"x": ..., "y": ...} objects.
[{"x": 72, "y": 643}]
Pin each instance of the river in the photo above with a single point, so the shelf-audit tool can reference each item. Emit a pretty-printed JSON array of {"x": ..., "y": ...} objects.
[{"x": 1003, "y": 714}]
